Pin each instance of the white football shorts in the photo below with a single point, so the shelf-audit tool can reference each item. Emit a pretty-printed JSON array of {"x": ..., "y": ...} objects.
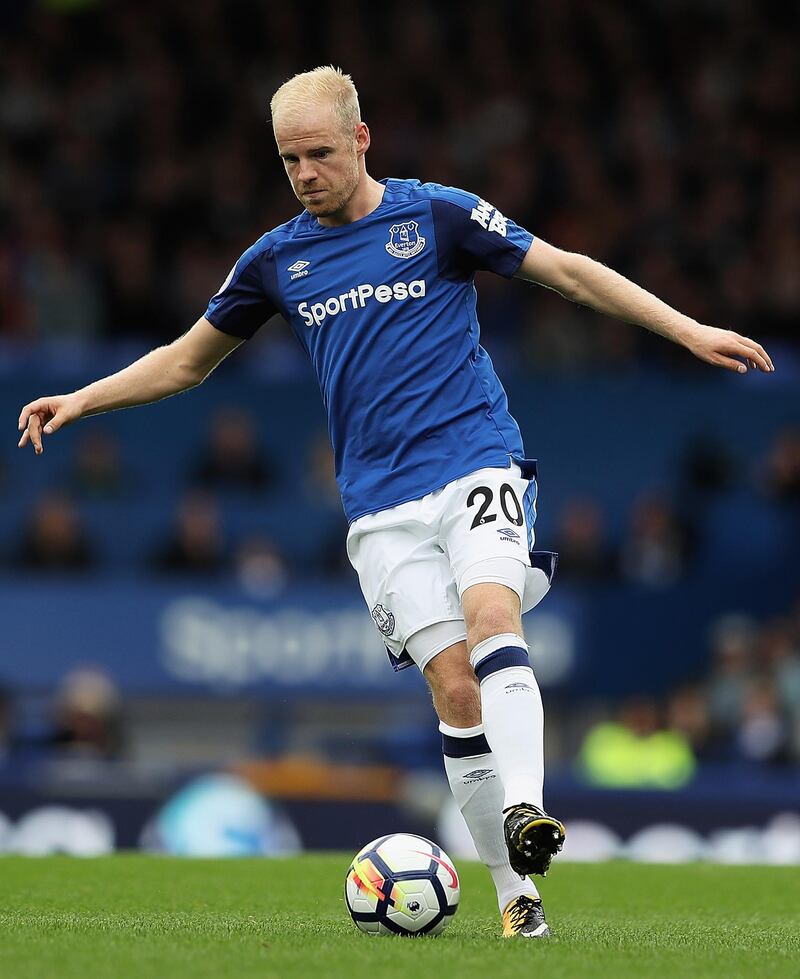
[{"x": 416, "y": 560}]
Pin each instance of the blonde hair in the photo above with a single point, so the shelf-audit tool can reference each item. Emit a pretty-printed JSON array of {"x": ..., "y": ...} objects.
[{"x": 323, "y": 84}]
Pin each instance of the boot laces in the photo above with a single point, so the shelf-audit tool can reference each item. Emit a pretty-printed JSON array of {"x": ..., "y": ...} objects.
[{"x": 523, "y": 910}]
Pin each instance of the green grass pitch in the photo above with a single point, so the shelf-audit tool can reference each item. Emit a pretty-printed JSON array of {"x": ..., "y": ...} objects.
[{"x": 138, "y": 916}]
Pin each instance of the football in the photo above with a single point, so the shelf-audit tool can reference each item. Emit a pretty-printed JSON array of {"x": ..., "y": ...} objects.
[{"x": 402, "y": 884}]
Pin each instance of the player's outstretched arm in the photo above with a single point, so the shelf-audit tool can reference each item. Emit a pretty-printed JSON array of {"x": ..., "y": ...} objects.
[
  {"x": 585, "y": 281},
  {"x": 181, "y": 365}
]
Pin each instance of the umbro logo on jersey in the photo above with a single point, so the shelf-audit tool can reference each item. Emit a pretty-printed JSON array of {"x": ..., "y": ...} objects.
[
  {"x": 489, "y": 217},
  {"x": 405, "y": 241},
  {"x": 358, "y": 297},
  {"x": 299, "y": 268}
]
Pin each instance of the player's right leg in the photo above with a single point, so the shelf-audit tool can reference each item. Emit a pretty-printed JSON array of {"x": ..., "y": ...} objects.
[{"x": 408, "y": 585}]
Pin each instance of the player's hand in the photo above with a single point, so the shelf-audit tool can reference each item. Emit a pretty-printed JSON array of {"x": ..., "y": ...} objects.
[
  {"x": 724, "y": 348},
  {"x": 45, "y": 416}
]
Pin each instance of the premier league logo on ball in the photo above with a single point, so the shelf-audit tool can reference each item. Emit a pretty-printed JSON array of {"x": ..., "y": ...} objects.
[{"x": 405, "y": 240}]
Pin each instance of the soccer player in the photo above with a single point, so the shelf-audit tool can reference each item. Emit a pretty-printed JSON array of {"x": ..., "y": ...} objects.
[{"x": 375, "y": 278}]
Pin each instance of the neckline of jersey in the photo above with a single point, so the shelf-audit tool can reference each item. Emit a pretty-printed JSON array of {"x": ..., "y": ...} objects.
[{"x": 344, "y": 228}]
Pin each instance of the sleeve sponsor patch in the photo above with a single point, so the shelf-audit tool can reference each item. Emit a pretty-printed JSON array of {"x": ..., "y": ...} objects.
[{"x": 489, "y": 217}]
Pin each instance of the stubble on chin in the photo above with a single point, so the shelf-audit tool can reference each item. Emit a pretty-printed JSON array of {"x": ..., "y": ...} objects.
[
  {"x": 330, "y": 207},
  {"x": 335, "y": 201}
]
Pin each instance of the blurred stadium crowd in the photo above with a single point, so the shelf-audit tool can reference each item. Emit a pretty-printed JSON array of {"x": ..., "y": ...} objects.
[
  {"x": 661, "y": 537},
  {"x": 742, "y": 707},
  {"x": 137, "y": 163},
  {"x": 742, "y": 704},
  {"x": 745, "y": 709}
]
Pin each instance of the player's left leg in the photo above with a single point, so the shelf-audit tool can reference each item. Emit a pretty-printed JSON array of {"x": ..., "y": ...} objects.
[
  {"x": 408, "y": 585},
  {"x": 512, "y": 712},
  {"x": 498, "y": 576},
  {"x": 475, "y": 782}
]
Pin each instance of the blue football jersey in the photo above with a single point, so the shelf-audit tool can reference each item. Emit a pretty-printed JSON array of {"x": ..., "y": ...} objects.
[{"x": 385, "y": 308}]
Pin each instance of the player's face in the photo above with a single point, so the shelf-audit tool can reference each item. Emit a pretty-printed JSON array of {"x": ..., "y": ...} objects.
[{"x": 321, "y": 161}]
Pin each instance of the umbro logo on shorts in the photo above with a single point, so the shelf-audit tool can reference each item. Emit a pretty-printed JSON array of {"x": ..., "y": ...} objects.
[
  {"x": 506, "y": 533},
  {"x": 517, "y": 687}
]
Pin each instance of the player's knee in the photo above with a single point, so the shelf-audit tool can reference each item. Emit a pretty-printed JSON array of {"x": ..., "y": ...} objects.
[
  {"x": 458, "y": 699},
  {"x": 492, "y": 619},
  {"x": 464, "y": 699}
]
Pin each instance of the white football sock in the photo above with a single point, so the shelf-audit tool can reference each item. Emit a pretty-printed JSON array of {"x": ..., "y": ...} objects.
[
  {"x": 513, "y": 717},
  {"x": 478, "y": 791}
]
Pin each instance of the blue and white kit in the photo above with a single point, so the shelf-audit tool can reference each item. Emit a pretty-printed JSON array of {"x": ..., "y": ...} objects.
[{"x": 386, "y": 309}]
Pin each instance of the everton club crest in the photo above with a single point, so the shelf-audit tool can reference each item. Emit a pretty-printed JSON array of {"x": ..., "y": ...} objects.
[
  {"x": 384, "y": 619},
  {"x": 405, "y": 241}
]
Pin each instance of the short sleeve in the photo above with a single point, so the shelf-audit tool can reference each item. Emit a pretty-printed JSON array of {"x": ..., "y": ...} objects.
[
  {"x": 247, "y": 298},
  {"x": 472, "y": 235}
]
